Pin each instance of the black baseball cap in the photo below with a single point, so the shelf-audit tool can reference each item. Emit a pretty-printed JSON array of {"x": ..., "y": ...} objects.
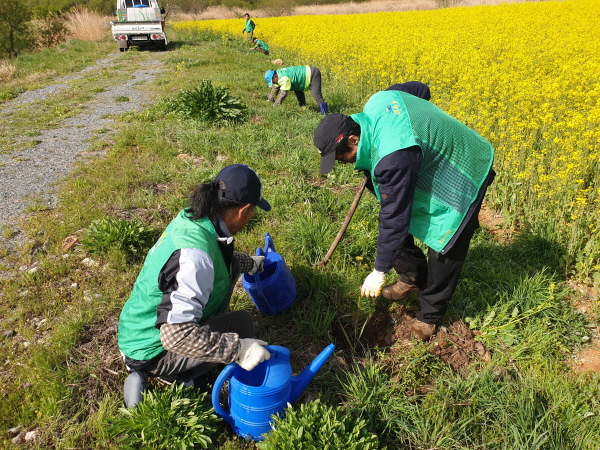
[
  {"x": 329, "y": 134},
  {"x": 242, "y": 185}
]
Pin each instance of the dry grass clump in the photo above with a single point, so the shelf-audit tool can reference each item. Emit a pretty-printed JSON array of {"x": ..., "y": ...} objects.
[
  {"x": 210, "y": 13},
  {"x": 223, "y": 12},
  {"x": 86, "y": 25},
  {"x": 7, "y": 71},
  {"x": 38, "y": 76},
  {"x": 366, "y": 7}
]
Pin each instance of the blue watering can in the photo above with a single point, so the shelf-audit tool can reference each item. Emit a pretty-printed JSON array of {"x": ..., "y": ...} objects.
[
  {"x": 255, "y": 395},
  {"x": 274, "y": 289}
]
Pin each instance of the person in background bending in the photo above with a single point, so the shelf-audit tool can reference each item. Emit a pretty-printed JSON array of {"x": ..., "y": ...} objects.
[
  {"x": 260, "y": 46},
  {"x": 297, "y": 79}
]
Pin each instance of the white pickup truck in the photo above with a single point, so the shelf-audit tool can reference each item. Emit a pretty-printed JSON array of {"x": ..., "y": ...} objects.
[{"x": 140, "y": 23}]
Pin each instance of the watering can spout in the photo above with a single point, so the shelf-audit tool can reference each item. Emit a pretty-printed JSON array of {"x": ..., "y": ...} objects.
[{"x": 300, "y": 381}]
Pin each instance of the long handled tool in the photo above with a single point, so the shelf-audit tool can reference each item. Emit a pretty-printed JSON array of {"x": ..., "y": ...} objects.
[{"x": 337, "y": 239}]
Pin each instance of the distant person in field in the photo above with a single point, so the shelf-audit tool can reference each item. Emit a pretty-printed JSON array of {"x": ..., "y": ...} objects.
[
  {"x": 260, "y": 46},
  {"x": 174, "y": 324},
  {"x": 249, "y": 27},
  {"x": 297, "y": 79},
  {"x": 429, "y": 173}
]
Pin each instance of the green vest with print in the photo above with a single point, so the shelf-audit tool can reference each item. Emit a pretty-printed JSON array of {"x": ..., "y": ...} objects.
[
  {"x": 138, "y": 337},
  {"x": 456, "y": 160},
  {"x": 298, "y": 75}
]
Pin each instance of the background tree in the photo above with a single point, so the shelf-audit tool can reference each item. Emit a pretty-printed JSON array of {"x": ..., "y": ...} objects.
[
  {"x": 105, "y": 7},
  {"x": 15, "y": 29}
]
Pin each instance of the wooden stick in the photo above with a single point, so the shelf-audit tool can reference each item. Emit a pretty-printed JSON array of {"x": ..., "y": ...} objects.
[{"x": 337, "y": 239}]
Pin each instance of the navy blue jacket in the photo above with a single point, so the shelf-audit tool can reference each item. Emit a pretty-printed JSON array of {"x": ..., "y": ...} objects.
[
  {"x": 397, "y": 174},
  {"x": 415, "y": 88}
]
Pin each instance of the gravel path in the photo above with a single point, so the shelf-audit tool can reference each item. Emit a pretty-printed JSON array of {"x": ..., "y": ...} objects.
[{"x": 35, "y": 171}]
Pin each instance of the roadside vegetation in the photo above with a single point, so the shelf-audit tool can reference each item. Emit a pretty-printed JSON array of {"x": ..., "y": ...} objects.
[{"x": 499, "y": 374}]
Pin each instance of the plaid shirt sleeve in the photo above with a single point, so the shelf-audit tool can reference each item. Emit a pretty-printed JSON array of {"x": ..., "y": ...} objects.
[{"x": 194, "y": 341}]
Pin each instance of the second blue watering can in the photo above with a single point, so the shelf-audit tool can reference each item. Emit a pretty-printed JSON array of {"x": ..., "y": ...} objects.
[
  {"x": 274, "y": 289},
  {"x": 255, "y": 395}
]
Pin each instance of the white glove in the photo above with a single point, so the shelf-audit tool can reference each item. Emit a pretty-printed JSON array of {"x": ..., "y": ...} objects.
[
  {"x": 258, "y": 264},
  {"x": 373, "y": 284},
  {"x": 252, "y": 353}
]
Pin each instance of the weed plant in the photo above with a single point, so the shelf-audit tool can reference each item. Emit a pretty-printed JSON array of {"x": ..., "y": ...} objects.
[
  {"x": 174, "y": 417},
  {"x": 318, "y": 426},
  {"x": 64, "y": 376},
  {"x": 128, "y": 236},
  {"x": 208, "y": 103}
]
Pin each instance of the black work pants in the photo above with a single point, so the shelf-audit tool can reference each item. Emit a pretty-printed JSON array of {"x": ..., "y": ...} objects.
[
  {"x": 315, "y": 88},
  {"x": 439, "y": 272}
]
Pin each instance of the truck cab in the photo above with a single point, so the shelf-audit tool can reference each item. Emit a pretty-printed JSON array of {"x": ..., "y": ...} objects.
[{"x": 140, "y": 23}]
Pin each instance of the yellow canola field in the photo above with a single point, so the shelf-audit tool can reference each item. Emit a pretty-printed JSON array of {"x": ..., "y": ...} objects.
[{"x": 526, "y": 76}]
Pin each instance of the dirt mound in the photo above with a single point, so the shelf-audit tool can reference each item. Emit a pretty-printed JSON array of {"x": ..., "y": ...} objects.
[{"x": 454, "y": 343}]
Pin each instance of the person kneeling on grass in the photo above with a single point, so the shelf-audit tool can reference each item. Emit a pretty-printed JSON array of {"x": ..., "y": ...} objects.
[
  {"x": 174, "y": 324},
  {"x": 430, "y": 174},
  {"x": 297, "y": 79},
  {"x": 260, "y": 46}
]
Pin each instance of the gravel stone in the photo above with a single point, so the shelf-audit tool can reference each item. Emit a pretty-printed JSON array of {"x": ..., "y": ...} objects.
[{"x": 8, "y": 334}]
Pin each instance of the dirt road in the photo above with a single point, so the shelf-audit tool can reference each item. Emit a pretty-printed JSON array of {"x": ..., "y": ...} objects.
[{"x": 31, "y": 174}]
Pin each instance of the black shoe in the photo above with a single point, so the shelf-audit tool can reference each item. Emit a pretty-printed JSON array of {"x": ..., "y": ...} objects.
[
  {"x": 134, "y": 386},
  {"x": 201, "y": 383}
]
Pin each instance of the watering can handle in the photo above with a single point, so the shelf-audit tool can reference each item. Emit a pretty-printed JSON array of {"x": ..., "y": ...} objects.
[
  {"x": 269, "y": 244},
  {"x": 259, "y": 252},
  {"x": 216, "y": 392}
]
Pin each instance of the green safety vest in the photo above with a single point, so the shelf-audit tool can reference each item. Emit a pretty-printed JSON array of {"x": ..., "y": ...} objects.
[
  {"x": 262, "y": 45},
  {"x": 456, "y": 160},
  {"x": 138, "y": 337},
  {"x": 299, "y": 77}
]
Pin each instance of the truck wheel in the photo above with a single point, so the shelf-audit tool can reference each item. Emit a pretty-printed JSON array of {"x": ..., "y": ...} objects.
[{"x": 121, "y": 49}]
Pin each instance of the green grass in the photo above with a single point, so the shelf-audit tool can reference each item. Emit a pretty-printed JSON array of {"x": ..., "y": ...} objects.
[
  {"x": 38, "y": 69},
  {"x": 59, "y": 377}
]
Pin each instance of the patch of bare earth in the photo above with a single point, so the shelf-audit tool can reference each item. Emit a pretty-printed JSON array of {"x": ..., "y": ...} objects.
[
  {"x": 491, "y": 221},
  {"x": 585, "y": 299},
  {"x": 453, "y": 343},
  {"x": 587, "y": 360}
]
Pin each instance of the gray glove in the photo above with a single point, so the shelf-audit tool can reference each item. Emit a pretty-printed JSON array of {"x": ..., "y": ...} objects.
[
  {"x": 258, "y": 264},
  {"x": 280, "y": 98},
  {"x": 272, "y": 93}
]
